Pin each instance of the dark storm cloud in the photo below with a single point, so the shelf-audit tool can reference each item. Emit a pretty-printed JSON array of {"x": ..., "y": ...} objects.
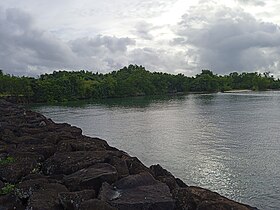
[
  {"x": 227, "y": 40},
  {"x": 28, "y": 50}
]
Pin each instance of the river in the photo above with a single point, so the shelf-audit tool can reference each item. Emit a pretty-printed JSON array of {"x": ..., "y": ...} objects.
[{"x": 226, "y": 142}]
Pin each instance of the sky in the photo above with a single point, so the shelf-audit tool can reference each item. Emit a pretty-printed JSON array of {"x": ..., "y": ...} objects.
[{"x": 173, "y": 36}]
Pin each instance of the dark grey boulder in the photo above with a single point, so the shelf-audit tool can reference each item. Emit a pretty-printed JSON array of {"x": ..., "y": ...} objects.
[
  {"x": 26, "y": 188},
  {"x": 46, "y": 197},
  {"x": 132, "y": 181},
  {"x": 10, "y": 202},
  {"x": 196, "y": 198},
  {"x": 22, "y": 165},
  {"x": 70, "y": 162},
  {"x": 120, "y": 164},
  {"x": 134, "y": 165},
  {"x": 73, "y": 200},
  {"x": 95, "y": 204},
  {"x": 45, "y": 150},
  {"x": 1, "y": 184},
  {"x": 92, "y": 177},
  {"x": 139, "y": 191},
  {"x": 164, "y": 176}
]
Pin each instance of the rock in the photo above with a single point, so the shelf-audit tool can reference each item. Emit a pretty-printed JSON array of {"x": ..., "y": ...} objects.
[
  {"x": 20, "y": 167},
  {"x": 30, "y": 131},
  {"x": 137, "y": 180},
  {"x": 30, "y": 139},
  {"x": 70, "y": 162},
  {"x": 201, "y": 194},
  {"x": 42, "y": 124},
  {"x": 6, "y": 148},
  {"x": 65, "y": 129},
  {"x": 83, "y": 144},
  {"x": 51, "y": 137},
  {"x": 34, "y": 176},
  {"x": 10, "y": 202},
  {"x": 221, "y": 205},
  {"x": 180, "y": 183},
  {"x": 183, "y": 199},
  {"x": 150, "y": 197},
  {"x": 196, "y": 198},
  {"x": 1, "y": 184},
  {"x": 46, "y": 150},
  {"x": 26, "y": 188},
  {"x": 8, "y": 136},
  {"x": 164, "y": 176},
  {"x": 95, "y": 204},
  {"x": 17, "y": 154},
  {"x": 206, "y": 199},
  {"x": 120, "y": 165},
  {"x": 98, "y": 143},
  {"x": 46, "y": 197},
  {"x": 134, "y": 165},
  {"x": 73, "y": 200},
  {"x": 92, "y": 177},
  {"x": 139, "y": 191}
]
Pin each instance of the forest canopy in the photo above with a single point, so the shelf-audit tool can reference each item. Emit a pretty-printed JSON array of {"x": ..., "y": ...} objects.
[{"x": 133, "y": 80}]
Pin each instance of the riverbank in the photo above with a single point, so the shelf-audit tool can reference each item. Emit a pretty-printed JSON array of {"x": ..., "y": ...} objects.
[
  {"x": 45, "y": 165},
  {"x": 238, "y": 91},
  {"x": 29, "y": 100}
]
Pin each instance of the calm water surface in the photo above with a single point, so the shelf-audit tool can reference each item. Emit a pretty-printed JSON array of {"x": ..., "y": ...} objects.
[{"x": 229, "y": 143}]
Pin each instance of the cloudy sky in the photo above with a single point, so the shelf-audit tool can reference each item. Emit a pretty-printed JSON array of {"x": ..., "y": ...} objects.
[{"x": 175, "y": 36}]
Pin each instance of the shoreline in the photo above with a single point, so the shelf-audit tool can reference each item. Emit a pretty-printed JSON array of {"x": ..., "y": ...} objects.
[
  {"x": 28, "y": 100},
  {"x": 47, "y": 165},
  {"x": 240, "y": 91}
]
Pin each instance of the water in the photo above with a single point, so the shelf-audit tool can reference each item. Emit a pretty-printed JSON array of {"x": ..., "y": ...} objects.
[{"x": 229, "y": 143}]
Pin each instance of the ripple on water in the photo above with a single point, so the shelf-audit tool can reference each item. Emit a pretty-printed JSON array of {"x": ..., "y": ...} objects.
[{"x": 225, "y": 142}]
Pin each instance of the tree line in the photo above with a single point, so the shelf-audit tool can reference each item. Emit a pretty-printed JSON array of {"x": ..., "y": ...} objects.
[{"x": 133, "y": 80}]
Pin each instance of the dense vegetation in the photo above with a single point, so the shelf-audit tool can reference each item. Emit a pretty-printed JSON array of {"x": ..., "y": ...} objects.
[{"x": 129, "y": 81}]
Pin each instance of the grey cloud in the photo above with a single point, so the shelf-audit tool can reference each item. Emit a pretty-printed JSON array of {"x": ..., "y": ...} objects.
[
  {"x": 161, "y": 60},
  {"x": 252, "y": 2},
  {"x": 24, "y": 46},
  {"x": 147, "y": 8},
  {"x": 101, "y": 44},
  {"x": 18, "y": 17},
  {"x": 227, "y": 40},
  {"x": 111, "y": 52},
  {"x": 27, "y": 50},
  {"x": 143, "y": 29}
]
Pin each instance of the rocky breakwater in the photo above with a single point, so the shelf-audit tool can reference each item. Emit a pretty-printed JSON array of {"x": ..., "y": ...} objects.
[{"x": 50, "y": 166}]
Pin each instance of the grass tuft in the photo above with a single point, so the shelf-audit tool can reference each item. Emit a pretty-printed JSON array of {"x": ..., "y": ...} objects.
[
  {"x": 7, "y": 160},
  {"x": 8, "y": 188}
]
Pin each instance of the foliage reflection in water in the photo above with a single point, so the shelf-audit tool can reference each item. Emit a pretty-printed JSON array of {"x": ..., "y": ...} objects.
[{"x": 228, "y": 143}]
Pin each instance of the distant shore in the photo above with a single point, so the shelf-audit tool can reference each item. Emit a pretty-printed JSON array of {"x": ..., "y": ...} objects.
[{"x": 238, "y": 91}]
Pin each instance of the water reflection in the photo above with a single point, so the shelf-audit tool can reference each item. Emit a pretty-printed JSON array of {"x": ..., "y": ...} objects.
[
  {"x": 206, "y": 99},
  {"x": 129, "y": 102},
  {"x": 136, "y": 102},
  {"x": 210, "y": 152},
  {"x": 225, "y": 142}
]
